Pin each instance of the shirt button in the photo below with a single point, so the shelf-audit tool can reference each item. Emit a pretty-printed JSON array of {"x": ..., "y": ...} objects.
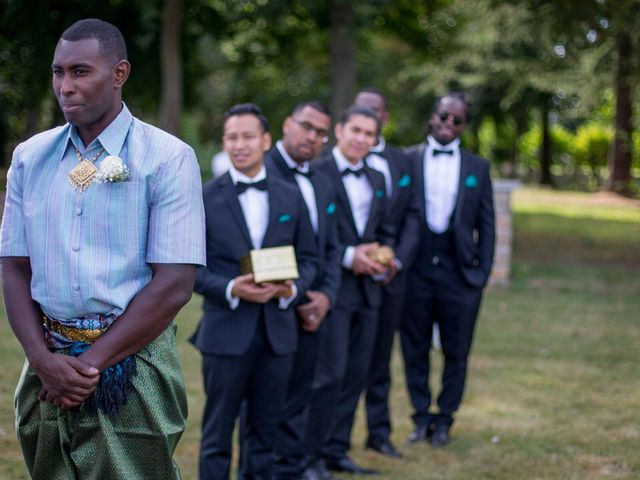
[
  {"x": 78, "y": 211},
  {"x": 435, "y": 260},
  {"x": 76, "y": 286},
  {"x": 75, "y": 248}
]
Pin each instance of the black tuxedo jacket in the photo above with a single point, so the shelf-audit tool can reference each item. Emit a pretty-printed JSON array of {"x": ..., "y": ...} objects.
[
  {"x": 473, "y": 222},
  {"x": 379, "y": 228},
  {"x": 404, "y": 208},
  {"x": 327, "y": 278},
  {"x": 224, "y": 331}
]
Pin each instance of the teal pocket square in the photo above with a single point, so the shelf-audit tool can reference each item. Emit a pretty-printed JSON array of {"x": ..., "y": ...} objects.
[
  {"x": 379, "y": 194},
  {"x": 471, "y": 181},
  {"x": 284, "y": 218},
  {"x": 404, "y": 181},
  {"x": 331, "y": 208}
]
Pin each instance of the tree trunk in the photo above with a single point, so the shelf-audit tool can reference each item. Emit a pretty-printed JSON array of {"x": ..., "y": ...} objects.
[
  {"x": 620, "y": 154},
  {"x": 545, "y": 151},
  {"x": 171, "y": 65},
  {"x": 343, "y": 56}
]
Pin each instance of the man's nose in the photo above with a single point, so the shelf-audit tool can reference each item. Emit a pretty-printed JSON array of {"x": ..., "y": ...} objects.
[{"x": 67, "y": 85}]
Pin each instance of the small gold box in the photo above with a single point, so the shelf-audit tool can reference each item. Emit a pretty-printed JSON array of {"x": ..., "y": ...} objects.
[
  {"x": 275, "y": 264},
  {"x": 384, "y": 255}
]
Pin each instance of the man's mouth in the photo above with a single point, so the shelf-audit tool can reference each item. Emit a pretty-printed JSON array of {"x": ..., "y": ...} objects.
[{"x": 69, "y": 107}]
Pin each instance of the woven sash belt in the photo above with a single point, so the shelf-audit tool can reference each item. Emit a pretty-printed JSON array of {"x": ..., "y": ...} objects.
[{"x": 116, "y": 381}]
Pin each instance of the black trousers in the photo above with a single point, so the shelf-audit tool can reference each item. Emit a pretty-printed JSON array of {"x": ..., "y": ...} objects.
[
  {"x": 290, "y": 454},
  {"x": 260, "y": 378},
  {"x": 439, "y": 294},
  {"x": 344, "y": 356},
  {"x": 379, "y": 379}
]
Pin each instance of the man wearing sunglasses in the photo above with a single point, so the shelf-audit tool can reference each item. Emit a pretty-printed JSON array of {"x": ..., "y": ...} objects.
[
  {"x": 305, "y": 131},
  {"x": 452, "y": 266}
]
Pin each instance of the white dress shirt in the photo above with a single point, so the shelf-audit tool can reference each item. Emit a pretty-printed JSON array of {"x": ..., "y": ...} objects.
[
  {"x": 376, "y": 161},
  {"x": 359, "y": 194},
  {"x": 442, "y": 174},
  {"x": 255, "y": 209},
  {"x": 306, "y": 187}
]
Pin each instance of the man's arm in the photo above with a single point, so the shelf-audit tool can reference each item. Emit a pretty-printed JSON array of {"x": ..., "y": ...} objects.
[
  {"x": 65, "y": 378},
  {"x": 148, "y": 314}
]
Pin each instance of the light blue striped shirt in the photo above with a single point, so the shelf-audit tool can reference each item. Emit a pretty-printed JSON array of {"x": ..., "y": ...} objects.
[{"x": 90, "y": 251}]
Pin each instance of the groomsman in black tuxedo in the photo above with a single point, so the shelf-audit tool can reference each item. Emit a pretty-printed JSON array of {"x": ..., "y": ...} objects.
[
  {"x": 453, "y": 265},
  {"x": 248, "y": 332},
  {"x": 405, "y": 214},
  {"x": 305, "y": 131},
  {"x": 347, "y": 344}
]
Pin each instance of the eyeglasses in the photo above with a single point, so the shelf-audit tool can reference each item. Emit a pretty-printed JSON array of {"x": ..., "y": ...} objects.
[
  {"x": 444, "y": 116},
  {"x": 307, "y": 127}
]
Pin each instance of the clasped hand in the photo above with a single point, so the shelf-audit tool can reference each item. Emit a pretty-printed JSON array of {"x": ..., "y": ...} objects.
[
  {"x": 246, "y": 289},
  {"x": 66, "y": 381},
  {"x": 313, "y": 312},
  {"x": 362, "y": 264}
]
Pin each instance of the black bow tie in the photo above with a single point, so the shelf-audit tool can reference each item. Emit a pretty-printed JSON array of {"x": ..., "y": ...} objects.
[
  {"x": 351, "y": 171},
  {"x": 437, "y": 152},
  {"x": 307, "y": 174},
  {"x": 242, "y": 187}
]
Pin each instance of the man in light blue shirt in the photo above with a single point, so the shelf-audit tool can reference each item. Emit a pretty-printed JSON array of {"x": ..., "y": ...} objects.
[{"x": 102, "y": 233}]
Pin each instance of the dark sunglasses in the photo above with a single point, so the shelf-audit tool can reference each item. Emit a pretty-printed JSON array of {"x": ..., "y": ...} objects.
[{"x": 444, "y": 116}]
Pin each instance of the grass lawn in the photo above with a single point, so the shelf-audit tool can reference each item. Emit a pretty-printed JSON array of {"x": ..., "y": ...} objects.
[{"x": 554, "y": 384}]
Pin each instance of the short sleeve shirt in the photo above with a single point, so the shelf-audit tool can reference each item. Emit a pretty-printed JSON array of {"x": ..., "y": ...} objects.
[{"x": 91, "y": 251}]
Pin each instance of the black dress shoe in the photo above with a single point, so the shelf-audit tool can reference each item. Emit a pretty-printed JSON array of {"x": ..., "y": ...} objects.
[
  {"x": 385, "y": 447},
  {"x": 317, "y": 470},
  {"x": 440, "y": 436},
  {"x": 420, "y": 434},
  {"x": 345, "y": 464}
]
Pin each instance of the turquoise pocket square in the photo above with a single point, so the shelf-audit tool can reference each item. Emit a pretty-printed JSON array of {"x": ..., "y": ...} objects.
[
  {"x": 471, "y": 181},
  {"x": 331, "y": 208},
  {"x": 379, "y": 194},
  {"x": 284, "y": 218},
  {"x": 404, "y": 181}
]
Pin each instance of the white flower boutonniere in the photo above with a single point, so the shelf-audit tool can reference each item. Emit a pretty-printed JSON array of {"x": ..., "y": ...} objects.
[{"x": 112, "y": 169}]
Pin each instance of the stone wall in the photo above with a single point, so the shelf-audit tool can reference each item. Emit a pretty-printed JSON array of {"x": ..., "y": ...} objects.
[{"x": 504, "y": 230}]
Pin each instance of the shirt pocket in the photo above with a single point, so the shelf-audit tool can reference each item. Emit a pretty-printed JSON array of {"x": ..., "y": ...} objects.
[{"x": 122, "y": 213}]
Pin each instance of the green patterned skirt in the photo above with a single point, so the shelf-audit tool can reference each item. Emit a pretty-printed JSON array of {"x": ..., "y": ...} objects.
[{"x": 136, "y": 443}]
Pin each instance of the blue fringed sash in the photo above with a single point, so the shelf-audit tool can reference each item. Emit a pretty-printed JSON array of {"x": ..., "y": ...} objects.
[{"x": 116, "y": 382}]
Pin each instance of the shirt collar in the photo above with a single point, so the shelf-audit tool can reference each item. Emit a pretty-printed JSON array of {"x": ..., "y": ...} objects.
[
  {"x": 111, "y": 138},
  {"x": 379, "y": 147},
  {"x": 433, "y": 143},
  {"x": 342, "y": 163},
  {"x": 291, "y": 163},
  {"x": 237, "y": 176}
]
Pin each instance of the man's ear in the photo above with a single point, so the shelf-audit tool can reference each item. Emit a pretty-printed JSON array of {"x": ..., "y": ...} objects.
[
  {"x": 266, "y": 141},
  {"x": 337, "y": 130},
  {"x": 286, "y": 125},
  {"x": 121, "y": 73}
]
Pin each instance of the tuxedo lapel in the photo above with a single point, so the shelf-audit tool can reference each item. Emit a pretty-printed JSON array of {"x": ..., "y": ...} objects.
[
  {"x": 282, "y": 166},
  {"x": 464, "y": 171},
  {"x": 374, "y": 198},
  {"x": 274, "y": 203},
  {"x": 394, "y": 168},
  {"x": 421, "y": 179},
  {"x": 342, "y": 193},
  {"x": 319, "y": 204},
  {"x": 231, "y": 197}
]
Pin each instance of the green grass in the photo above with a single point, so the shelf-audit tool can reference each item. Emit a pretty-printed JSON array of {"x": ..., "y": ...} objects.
[{"x": 554, "y": 383}]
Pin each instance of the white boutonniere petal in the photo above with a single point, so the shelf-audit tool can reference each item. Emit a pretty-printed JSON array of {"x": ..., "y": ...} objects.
[{"x": 112, "y": 169}]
